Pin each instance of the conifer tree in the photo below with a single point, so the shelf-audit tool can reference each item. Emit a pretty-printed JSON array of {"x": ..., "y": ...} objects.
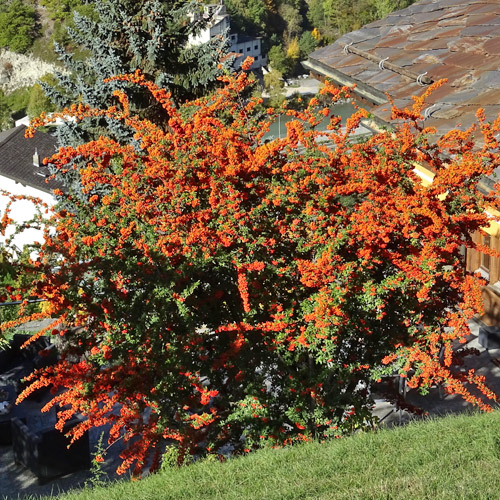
[{"x": 150, "y": 35}]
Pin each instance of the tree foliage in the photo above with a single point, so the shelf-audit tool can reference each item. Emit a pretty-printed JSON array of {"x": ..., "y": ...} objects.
[
  {"x": 249, "y": 16},
  {"x": 61, "y": 9},
  {"x": 336, "y": 17},
  {"x": 293, "y": 20},
  {"x": 293, "y": 51},
  {"x": 279, "y": 60},
  {"x": 274, "y": 84},
  {"x": 6, "y": 120},
  {"x": 38, "y": 102},
  {"x": 307, "y": 43},
  {"x": 18, "y": 100},
  {"x": 226, "y": 290},
  {"x": 18, "y": 25},
  {"x": 149, "y": 34}
]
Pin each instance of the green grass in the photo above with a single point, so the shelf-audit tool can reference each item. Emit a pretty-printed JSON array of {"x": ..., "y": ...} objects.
[{"x": 451, "y": 458}]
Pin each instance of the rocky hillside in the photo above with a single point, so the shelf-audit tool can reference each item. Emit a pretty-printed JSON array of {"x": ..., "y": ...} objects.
[{"x": 20, "y": 70}]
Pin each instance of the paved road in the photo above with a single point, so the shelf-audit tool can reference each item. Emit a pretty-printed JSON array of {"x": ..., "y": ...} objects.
[{"x": 301, "y": 86}]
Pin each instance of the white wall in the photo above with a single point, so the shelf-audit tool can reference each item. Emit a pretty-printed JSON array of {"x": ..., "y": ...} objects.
[
  {"x": 250, "y": 48},
  {"x": 219, "y": 26}
]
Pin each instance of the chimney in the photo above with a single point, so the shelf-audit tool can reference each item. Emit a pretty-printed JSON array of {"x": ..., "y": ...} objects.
[{"x": 36, "y": 159}]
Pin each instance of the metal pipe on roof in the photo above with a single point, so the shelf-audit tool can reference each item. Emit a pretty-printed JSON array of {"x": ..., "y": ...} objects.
[
  {"x": 381, "y": 64},
  {"x": 387, "y": 65}
]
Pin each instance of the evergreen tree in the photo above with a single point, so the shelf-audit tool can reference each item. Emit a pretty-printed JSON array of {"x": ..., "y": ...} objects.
[
  {"x": 151, "y": 35},
  {"x": 307, "y": 44}
]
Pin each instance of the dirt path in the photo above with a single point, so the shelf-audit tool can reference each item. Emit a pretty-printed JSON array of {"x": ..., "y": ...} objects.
[{"x": 45, "y": 20}]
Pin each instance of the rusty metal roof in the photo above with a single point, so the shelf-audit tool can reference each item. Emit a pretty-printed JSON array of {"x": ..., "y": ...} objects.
[{"x": 449, "y": 39}]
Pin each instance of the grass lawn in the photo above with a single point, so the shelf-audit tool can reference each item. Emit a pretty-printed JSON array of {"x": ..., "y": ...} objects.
[{"x": 451, "y": 458}]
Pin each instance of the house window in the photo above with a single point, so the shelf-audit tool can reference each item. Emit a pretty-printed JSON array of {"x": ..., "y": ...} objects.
[
  {"x": 248, "y": 49},
  {"x": 256, "y": 58},
  {"x": 485, "y": 259},
  {"x": 255, "y": 47}
]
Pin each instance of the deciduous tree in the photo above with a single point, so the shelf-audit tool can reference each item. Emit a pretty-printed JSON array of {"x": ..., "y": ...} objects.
[
  {"x": 61, "y": 9},
  {"x": 279, "y": 60},
  {"x": 249, "y": 16},
  {"x": 18, "y": 26},
  {"x": 38, "y": 101},
  {"x": 6, "y": 120}
]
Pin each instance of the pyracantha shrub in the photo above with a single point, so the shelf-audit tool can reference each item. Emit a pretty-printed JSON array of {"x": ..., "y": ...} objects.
[{"x": 218, "y": 289}]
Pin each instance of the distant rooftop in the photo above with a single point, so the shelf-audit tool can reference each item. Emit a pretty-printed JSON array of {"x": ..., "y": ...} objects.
[
  {"x": 16, "y": 157},
  {"x": 428, "y": 41}
]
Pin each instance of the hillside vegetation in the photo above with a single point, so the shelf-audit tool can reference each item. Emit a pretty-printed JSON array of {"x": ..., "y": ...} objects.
[
  {"x": 290, "y": 29},
  {"x": 457, "y": 457},
  {"x": 279, "y": 22}
]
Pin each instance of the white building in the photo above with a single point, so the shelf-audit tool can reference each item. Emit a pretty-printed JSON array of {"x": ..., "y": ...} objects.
[
  {"x": 242, "y": 46},
  {"x": 219, "y": 25},
  {"x": 23, "y": 173}
]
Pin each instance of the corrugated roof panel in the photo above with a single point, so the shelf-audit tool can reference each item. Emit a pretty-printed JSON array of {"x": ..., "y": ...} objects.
[
  {"x": 489, "y": 19},
  {"x": 427, "y": 6},
  {"x": 455, "y": 20},
  {"x": 489, "y": 97},
  {"x": 456, "y": 5},
  {"x": 487, "y": 31},
  {"x": 396, "y": 39},
  {"x": 432, "y": 32},
  {"x": 400, "y": 29},
  {"x": 434, "y": 44},
  {"x": 390, "y": 52},
  {"x": 347, "y": 60},
  {"x": 430, "y": 57},
  {"x": 453, "y": 60},
  {"x": 445, "y": 112},
  {"x": 458, "y": 97},
  {"x": 488, "y": 79}
]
